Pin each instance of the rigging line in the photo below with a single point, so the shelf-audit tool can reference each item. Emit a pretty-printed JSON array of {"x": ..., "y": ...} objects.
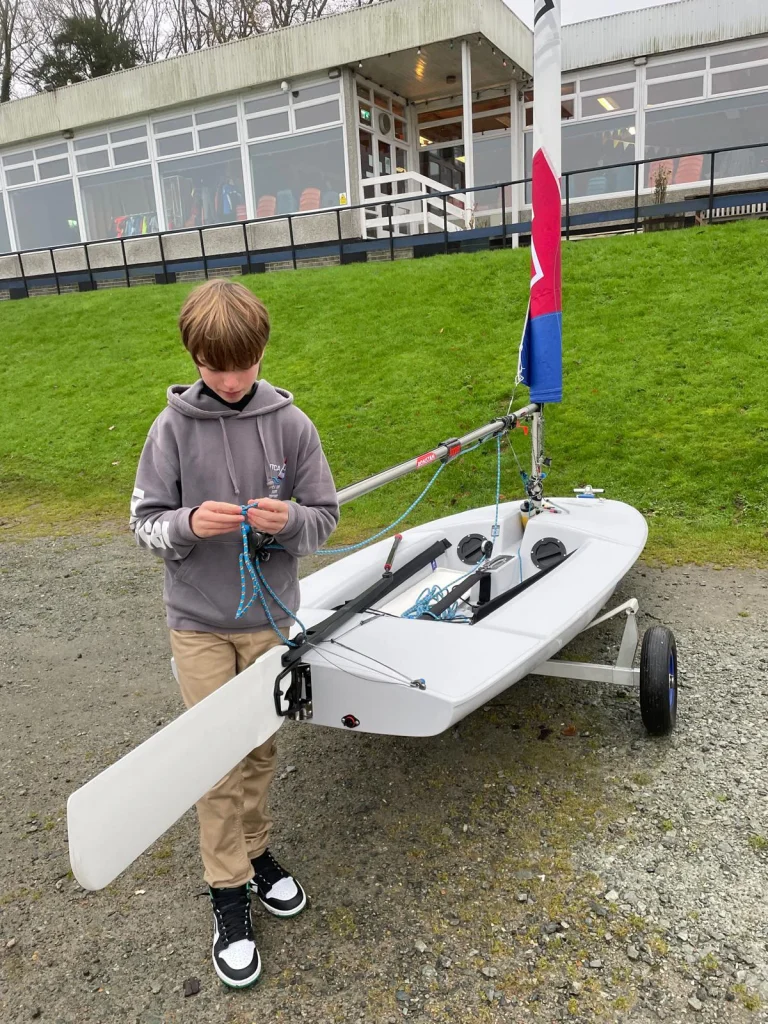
[
  {"x": 404, "y": 680},
  {"x": 362, "y": 654}
]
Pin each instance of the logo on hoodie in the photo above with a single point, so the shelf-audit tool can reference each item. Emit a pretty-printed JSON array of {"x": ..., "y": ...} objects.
[{"x": 277, "y": 475}]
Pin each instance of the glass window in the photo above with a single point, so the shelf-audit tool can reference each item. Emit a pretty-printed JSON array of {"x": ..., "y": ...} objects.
[
  {"x": 381, "y": 101},
  {"x": 366, "y": 114},
  {"x": 362, "y": 91},
  {"x": 301, "y": 172},
  {"x": 321, "y": 113},
  {"x": 491, "y": 122},
  {"x": 680, "y": 89},
  {"x": 5, "y": 238},
  {"x": 745, "y": 78},
  {"x": 175, "y": 144},
  {"x": 366, "y": 154},
  {"x": 724, "y": 60},
  {"x": 426, "y": 116},
  {"x": 600, "y": 145},
  {"x": 93, "y": 161},
  {"x": 398, "y": 108},
  {"x": 91, "y": 142},
  {"x": 203, "y": 189},
  {"x": 219, "y": 114},
  {"x": 275, "y": 102},
  {"x": 401, "y": 130},
  {"x": 608, "y": 81},
  {"x": 45, "y": 215},
  {"x": 735, "y": 121},
  {"x": 271, "y": 124},
  {"x": 316, "y": 92},
  {"x": 221, "y": 135},
  {"x": 119, "y": 204},
  {"x": 19, "y": 175},
  {"x": 444, "y": 165},
  {"x": 493, "y": 161},
  {"x": 172, "y": 124},
  {"x": 677, "y": 67},
  {"x": 44, "y": 152},
  {"x": 18, "y": 158},
  {"x": 567, "y": 109},
  {"x": 125, "y": 134},
  {"x": 430, "y": 134},
  {"x": 132, "y": 154},
  {"x": 623, "y": 99},
  {"x": 53, "y": 169}
]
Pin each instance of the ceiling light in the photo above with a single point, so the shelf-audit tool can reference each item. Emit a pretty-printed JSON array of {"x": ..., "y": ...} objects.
[
  {"x": 418, "y": 51},
  {"x": 632, "y": 129},
  {"x": 607, "y": 104}
]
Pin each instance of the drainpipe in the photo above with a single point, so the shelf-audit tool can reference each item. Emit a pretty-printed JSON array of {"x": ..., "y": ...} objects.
[{"x": 469, "y": 149}]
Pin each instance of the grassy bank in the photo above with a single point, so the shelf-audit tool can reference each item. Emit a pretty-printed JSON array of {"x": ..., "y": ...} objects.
[{"x": 665, "y": 363}]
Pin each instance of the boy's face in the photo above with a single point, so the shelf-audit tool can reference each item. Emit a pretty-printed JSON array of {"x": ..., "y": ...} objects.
[{"x": 231, "y": 385}]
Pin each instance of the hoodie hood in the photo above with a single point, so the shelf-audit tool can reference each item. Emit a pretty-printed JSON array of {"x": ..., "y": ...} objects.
[{"x": 189, "y": 400}]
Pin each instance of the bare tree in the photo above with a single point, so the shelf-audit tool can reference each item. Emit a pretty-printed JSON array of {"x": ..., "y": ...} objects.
[
  {"x": 201, "y": 23},
  {"x": 18, "y": 40}
]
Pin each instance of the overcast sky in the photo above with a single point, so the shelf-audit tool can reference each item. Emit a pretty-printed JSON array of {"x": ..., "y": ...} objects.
[{"x": 582, "y": 10}]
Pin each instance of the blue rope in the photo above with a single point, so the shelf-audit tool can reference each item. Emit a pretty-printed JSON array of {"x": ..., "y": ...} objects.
[
  {"x": 425, "y": 600},
  {"x": 258, "y": 582},
  {"x": 364, "y": 543}
]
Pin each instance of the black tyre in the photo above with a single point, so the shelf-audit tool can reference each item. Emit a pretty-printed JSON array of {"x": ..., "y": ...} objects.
[{"x": 658, "y": 680}]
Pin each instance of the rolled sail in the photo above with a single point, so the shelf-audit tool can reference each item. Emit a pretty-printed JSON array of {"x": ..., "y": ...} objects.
[{"x": 541, "y": 350}]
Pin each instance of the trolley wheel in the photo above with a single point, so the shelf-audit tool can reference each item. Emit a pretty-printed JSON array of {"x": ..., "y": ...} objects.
[{"x": 658, "y": 681}]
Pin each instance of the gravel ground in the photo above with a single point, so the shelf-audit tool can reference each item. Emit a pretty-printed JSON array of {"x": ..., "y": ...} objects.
[{"x": 545, "y": 861}]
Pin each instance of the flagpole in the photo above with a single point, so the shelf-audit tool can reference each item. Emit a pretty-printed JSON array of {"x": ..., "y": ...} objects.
[{"x": 541, "y": 352}]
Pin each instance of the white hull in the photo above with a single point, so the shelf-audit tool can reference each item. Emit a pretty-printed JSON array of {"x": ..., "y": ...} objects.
[{"x": 462, "y": 665}]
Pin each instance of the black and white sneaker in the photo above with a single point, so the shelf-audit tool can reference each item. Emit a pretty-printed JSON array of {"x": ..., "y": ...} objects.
[
  {"x": 279, "y": 891},
  {"x": 236, "y": 959}
]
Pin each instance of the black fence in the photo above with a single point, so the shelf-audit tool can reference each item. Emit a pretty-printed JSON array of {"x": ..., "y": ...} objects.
[{"x": 437, "y": 233}]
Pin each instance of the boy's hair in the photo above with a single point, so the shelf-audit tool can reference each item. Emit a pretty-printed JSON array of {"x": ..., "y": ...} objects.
[{"x": 224, "y": 326}]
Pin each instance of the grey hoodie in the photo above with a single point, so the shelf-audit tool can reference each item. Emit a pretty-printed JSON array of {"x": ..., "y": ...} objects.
[{"x": 199, "y": 450}]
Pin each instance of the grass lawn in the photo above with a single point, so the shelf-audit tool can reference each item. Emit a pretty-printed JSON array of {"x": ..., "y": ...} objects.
[{"x": 665, "y": 359}]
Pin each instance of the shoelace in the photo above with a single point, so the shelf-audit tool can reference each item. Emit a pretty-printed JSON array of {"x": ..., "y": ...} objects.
[
  {"x": 268, "y": 871},
  {"x": 233, "y": 912}
]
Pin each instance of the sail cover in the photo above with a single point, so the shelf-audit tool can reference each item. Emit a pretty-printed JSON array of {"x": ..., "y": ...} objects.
[{"x": 541, "y": 349}]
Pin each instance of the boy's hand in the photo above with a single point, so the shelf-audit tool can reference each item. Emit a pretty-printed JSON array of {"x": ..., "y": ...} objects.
[
  {"x": 215, "y": 517},
  {"x": 271, "y": 516}
]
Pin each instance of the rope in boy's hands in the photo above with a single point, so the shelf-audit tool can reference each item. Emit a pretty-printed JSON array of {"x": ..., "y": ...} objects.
[
  {"x": 213, "y": 518},
  {"x": 268, "y": 515}
]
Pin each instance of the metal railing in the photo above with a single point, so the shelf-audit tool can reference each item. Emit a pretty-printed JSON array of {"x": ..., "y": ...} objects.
[{"x": 450, "y": 213}]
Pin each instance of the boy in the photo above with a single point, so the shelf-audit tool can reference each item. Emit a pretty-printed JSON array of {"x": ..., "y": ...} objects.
[{"x": 219, "y": 441}]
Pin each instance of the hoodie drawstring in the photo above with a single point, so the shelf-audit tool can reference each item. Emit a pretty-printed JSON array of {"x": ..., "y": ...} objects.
[{"x": 228, "y": 455}]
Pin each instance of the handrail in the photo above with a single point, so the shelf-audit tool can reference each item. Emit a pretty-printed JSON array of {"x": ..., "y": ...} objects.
[{"x": 439, "y": 196}]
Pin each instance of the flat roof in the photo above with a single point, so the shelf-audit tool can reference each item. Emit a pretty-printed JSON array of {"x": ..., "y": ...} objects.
[
  {"x": 384, "y": 36},
  {"x": 662, "y": 29}
]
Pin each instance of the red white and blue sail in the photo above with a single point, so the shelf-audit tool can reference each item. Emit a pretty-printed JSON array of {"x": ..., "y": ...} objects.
[{"x": 541, "y": 349}]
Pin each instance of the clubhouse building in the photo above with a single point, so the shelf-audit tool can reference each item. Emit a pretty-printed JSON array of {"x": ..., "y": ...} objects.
[{"x": 212, "y": 151}]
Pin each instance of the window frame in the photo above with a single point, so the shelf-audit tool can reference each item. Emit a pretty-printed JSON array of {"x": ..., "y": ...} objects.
[
  {"x": 195, "y": 128},
  {"x": 111, "y": 146}
]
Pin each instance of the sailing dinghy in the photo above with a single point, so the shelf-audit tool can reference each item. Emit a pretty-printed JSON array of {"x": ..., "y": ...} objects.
[{"x": 409, "y": 635}]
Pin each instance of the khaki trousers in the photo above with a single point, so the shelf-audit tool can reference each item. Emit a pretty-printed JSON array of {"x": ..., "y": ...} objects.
[{"x": 233, "y": 816}]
